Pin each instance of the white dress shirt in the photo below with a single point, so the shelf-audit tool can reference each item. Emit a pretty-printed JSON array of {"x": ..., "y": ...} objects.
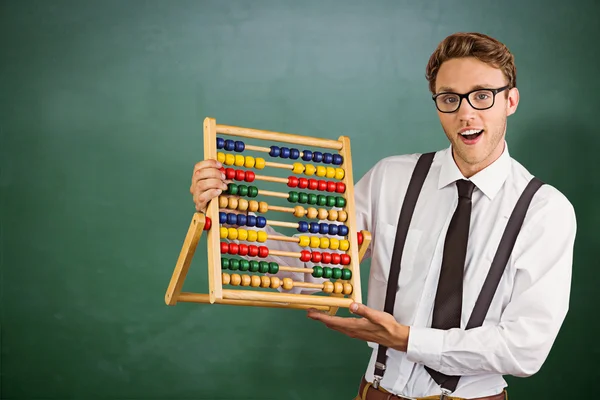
[{"x": 532, "y": 297}]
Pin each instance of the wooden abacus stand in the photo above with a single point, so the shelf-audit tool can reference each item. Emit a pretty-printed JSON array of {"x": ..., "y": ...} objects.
[{"x": 201, "y": 223}]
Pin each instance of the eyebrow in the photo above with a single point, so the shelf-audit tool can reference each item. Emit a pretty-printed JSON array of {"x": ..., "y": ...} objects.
[{"x": 476, "y": 87}]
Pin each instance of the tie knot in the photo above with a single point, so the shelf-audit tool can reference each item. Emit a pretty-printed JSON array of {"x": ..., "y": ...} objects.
[{"x": 465, "y": 188}]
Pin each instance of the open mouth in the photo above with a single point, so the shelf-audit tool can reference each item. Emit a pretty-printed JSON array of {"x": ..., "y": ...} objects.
[{"x": 471, "y": 134}]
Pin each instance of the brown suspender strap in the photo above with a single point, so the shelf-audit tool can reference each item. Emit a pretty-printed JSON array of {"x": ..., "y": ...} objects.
[{"x": 406, "y": 213}]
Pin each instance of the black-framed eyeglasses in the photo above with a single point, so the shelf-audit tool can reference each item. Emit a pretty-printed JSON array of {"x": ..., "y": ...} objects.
[{"x": 479, "y": 99}]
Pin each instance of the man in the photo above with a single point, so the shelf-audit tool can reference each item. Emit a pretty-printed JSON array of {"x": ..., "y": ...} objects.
[{"x": 473, "y": 81}]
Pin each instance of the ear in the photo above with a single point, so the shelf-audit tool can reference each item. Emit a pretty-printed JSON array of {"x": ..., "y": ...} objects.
[{"x": 512, "y": 101}]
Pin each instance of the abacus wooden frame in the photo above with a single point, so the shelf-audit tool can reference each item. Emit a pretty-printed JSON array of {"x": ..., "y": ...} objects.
[{"x": 216, "y": 292}]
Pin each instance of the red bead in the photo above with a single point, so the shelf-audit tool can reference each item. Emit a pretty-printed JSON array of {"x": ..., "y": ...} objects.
[
  {"x": 322, "y": 185},
  {"x": 360, "y": 237},
  {"x": 243, "y": 250},
  {"x": 335, "y": 258},
  {"x": 292, "y": 181},
  {"x": 326, "y": 258},
  {"x": 252, "y": 250},
  {"x": 249, "y": 176},
  {"x": 313, "y": 184},
  {"x": 345, "y": 259},
  {"x": 233, "y": 248},
  {"x": 302, "y": 183},
  {"x": 229, "y": 173},
  {"x": 316, "y": 257},
  {"x": 222, "y": 169},
  {"x": 224, "y": 247},
  {"x": 331, "y": 186},
  {"x": 207, "y": 223},
  {"x": 305, "y": 255},
  {"x": 263, "y": 251},
  {"x": 240, "y": 175},
  {"x": 340, "y": 187}
]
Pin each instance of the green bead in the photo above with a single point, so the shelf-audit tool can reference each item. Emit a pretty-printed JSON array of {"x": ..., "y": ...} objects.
[
  {"x": 293, "y": 197},
  {"x": 337, "y": 273},
  {"x": 321, "y": 200},
  {"x": 244, "y": 265},
  {"x": 303, "y": 198},
  {"x": 317, "y": 271},
  {"x": 327, "y": 273},
  {"x": 243, "y": 190},
  {"x": 312, "y": 198},
  {"x": 234, "y": 264},
  {"x": 264, "y": 267},
  {"x": 273, "y": 268},
  {"x": 346, "y": 274},
  {"x": 252, "y": 191},
  {"x": 232, "y": 188},
  {"x": 340, "y": 202},
  {"x": 224, "y": 263},
  {"x": 330, "y": 201},
  {"x": 254, "y": 266}
]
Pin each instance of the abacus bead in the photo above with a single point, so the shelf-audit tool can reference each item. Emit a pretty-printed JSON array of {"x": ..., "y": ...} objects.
[
  {"x": 232, "y": 219},
  {"x": 220, "y": 143},
  {"x": 243, "y": 190},
  {"x": 310, "y": 169},
  {"x": 229, "y": 173},
  {"x": 312, "y": 199},
  {"x": 342, "y": 216},
  {"x": 345, "y": 259},
  {"x": 207, "y": 223},
  {"x": 239, "y": 146},
  {"x": 322, "y": 185},
  {"x": 261, "y": 222},
  {"x": 221, "y": 157},
  {"x": 292, "y": 181},
  {"x": 326, "y": 258},
  {"x": 252, "y": 251},
  {"x": 338, "y": 287},
  {"x": 327, "y": 272},
  {"x": 265, "y": 281},
  {"x": 344, "y": 245},
  {"x": 328, "y": 287},
  {"x": 317, "y": 272},
  {"x": 253, "y": 205},
  {"x": 327, "y": 158},
  {"x": 261, "y": 236},
  {"x": 360, "y": 237},
  {"x": 229, "y": 145},
  {"x": 302, "y": 226},
  {"x": 242, "y": 219},
  {"x": 232, "y": 233},
  {"x": 288, "y": 283},
  {"x": 242, "y": 204},
  {"x": 331, "y": 202},
  {"x": 260, "y": 163},
  {"x": 222, "y": 218},
  {"x": 322, "y": 200},
  {"x": 340, "y": 202},
  {"x": 297, "y": 168},
  {"x": 336, "y": 258},
  {"x": 294, "y": 153},
  {"x": 338, "y": 159},
  {"x": 232, "y": 203},
  {"x": 293, "y": 197},
  {"x": 246, "y": 280},
  {"x": 254, "y": 265},
  {"x": 314, "y": 227},
  {"x": 302, "y": 198},
  {"x": 331, "y": 186},
  {"x": 243, "y": 250},
  {"x": 252, "y": 191},
  {"x": 263, "y": 251},
  {"x": 263, "y": 207},
  {"x": 239, "y": 160},
  {"x": 316, "y": 257},
  {"x": 346, "y": 274},
  {"x": 223, "y": 232},
  {"x": 333, "y": 229},
  {"x": 342, "y": 230},
  {"x": 303, "y": 183},
  {"x": 305, "y": 255},
  {"x": 240, "y": 175},
  {"x": 223, "y": 201},
  {"x": 250, "y": 175},
  {"x": 251, "y": 220},
  {"x": 321, "y": 170},
  {"x": 224, "y": 263},
  {"x": 334, "y": 243},
  {"x": 330, "y": 172},
  {"x": 312, "y": 213},
  {"x": 233, "y": 248},
  {"x": 242, "y": 234},
  {"x": 314, "y": 241},
  {"x": 317, "y": 156},
  {"x": 340, "y": 187},
  {"x": 249, "y": 162},
  {"x": 252, "y": 236},
  {"x": 347, "y": 288},
  {"x": 234, "y": 264},
  {"x": 273, "y": 267},
  {"x": 299, "y": 211},
  {"x": 285, "y": 152},
  {"x": 225, "y": 278},
  {"x": 232, "y": 188},
  {"x": 339, "y": 174},
  {"x": 263, "y": 267},
  {"x": 307, "y": 155},
  {"x": 336, "y": 273},
  {"x": 274, "y": 151},
  {"x": 323, "y": 228},
  {"x": 323, "y": 213},
  {"x": 313, "y": 184},
  {"x": 255, "y": 282},
  {"x": 275, "y": 282},
  {"x": 332, "y": 215},
  {"x": 244, "y": 265}
]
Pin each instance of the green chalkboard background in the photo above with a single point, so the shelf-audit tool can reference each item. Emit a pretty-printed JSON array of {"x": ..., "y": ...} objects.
[{"x": 101, "y": 110}]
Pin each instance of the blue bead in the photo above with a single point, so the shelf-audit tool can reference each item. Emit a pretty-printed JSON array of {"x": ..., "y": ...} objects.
[
  {"x": 314, "y": 227},
  {"x": 229, "y": 145},
  {"x": 222, "y": 218},
  {"x": 342, "y": 230},
  {"x": 307, "y": 155},
  {"x": 241, "y": 219},
  {"x": 323, "y": 229},
  {"x": 333, "y": 229},
  {"x": 251, "y": 220},
  {"x": 327, "y": 158},
  {"x": 317, "y": 156},
  {"x": 294, "y": 153},
  {"x": 285, "y": 152},
  {"x": 232, "y": 219},
  {"x": 239, "y": 146},
  {"x": 338, "y": 159},
  {"x": 302, "y": 226},
  {"x": 220, "y": 143},
  {"x": 274, "y": 151},
  {"x": 261, "y": 222}
]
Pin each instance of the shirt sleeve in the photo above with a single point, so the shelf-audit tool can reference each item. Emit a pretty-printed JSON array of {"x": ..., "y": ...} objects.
[{"x": 520, "y": 342}]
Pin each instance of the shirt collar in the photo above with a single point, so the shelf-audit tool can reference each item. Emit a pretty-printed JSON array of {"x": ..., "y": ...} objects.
[{"x": 489, "y": 180}]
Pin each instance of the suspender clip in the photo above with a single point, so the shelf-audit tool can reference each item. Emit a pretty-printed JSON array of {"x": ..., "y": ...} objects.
[
  {"x": 445, "y": 394},
  {"x": 377, "y": 379}
]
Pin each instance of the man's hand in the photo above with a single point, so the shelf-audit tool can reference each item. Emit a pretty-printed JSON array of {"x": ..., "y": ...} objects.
[{"x": 374, "y": 326}]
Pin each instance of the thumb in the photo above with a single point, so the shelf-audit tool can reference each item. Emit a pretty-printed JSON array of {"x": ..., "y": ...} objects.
[{"x": 363, "y": 311}]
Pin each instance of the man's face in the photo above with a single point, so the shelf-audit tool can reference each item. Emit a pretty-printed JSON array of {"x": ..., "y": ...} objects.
[{"x": 475, "y": 152}]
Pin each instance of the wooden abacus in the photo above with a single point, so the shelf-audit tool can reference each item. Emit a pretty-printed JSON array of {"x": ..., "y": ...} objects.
[{"x": 347, "y": 253}]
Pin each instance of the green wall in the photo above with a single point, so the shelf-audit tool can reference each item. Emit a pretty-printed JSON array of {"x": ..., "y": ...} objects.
[{"x": 101, "y": 110}]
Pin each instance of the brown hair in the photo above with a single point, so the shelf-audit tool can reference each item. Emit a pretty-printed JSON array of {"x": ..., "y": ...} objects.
[{"x": 478, "y": 45}]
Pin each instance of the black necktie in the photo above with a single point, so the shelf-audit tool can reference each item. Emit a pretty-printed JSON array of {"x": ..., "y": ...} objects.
[{"x": 448, "y": 300}]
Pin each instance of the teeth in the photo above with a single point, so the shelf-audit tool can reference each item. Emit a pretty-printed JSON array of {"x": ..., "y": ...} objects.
[{"x": 470, "y": 132}]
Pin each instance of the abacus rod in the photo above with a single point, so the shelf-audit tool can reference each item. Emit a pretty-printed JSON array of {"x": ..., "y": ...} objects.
[
  {"x": 204, "y": 298},
  {"x": 285, "y": 253},
  {"x": 284, "y": 239},
  {"x": 270, "y": 179},
  {"x": 257, "y": 148},
  {"x": 296, "y": 269},
  {"x": 282, "y": 209},
  {"x": 278, "y": 137},
  {"x": 278, "y": 165},
  {"x": 291, "y": 298},
  {"x": 283, "y": 224},
  {"x": 274, "y": 194}
]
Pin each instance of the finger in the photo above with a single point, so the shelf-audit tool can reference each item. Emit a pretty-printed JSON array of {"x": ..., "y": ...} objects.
[
  {"x": 366, "y": 312},
  {"x": 207, "y": 164},
  {"x": 208, "y": 184},
  {"x": 202, "y": 199},
  {"x": 207, "y": 173}
]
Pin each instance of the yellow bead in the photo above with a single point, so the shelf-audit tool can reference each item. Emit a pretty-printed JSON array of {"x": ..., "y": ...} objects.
[
  {"x": 236, "y": 279},
  {"x": 252, "y": 236},
  {"x": 312, "y": 213},
  {"x": 242, "y": 234},
  {"x": 262, "y": 236},
  {"x": 275, "y": 282},
  {"x": 344, "y": 245},
  {"x": 342, "y": 216},
  {"x": 263, "y": 207},
  {"x": 239, "y": 160},
  {"x": 288, "y": 283},
  {"x": 223, "y": 201},
  {"x": 299, "y": 211},
  {"x": 338, "y": 287},
  {"x": 249, "y": 162},
  {"x": 314, "y": 241},
  {"x": 332, "y": 215},
  {"x": 347, "y": 288},
  {"x": 223, "y": 232},
  {"x": 339, "y": 173},
  {"x": 334, "y": 244},
  {"x": 246, "y": 280},
  {"x": 324, "y": 243},
  {"x": 323, "y": 213},
  {"x": 232, "y": 234},
  {"x": 229, "y": 159},
  {"x": 330, "y": 172},
  {"x": 225, "y": 278},
  {"x": 310, "y": 170},
  {"x": 255, "y": 282},
  {"x": 242, "y": 204},
  {"x": 304, "y": 241},
  {"x": 221, "y": 157},
  {"x": 233, "y": 203},
  {"x": 253, "y": 205},
  {"x": 328, "y": 287},
  {"x": 265, "y": 281},
  {"x": 260, "y": 163},
  {"x": 321, "y": 170},
  {"x": 298, "y": 168}
]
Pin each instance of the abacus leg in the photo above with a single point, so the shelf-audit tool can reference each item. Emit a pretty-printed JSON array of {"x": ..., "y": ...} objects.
[{"x": 204, "y": 298}]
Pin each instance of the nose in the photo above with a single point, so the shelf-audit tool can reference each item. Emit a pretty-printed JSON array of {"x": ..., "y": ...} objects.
[{"x": 465, "y": 112}]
